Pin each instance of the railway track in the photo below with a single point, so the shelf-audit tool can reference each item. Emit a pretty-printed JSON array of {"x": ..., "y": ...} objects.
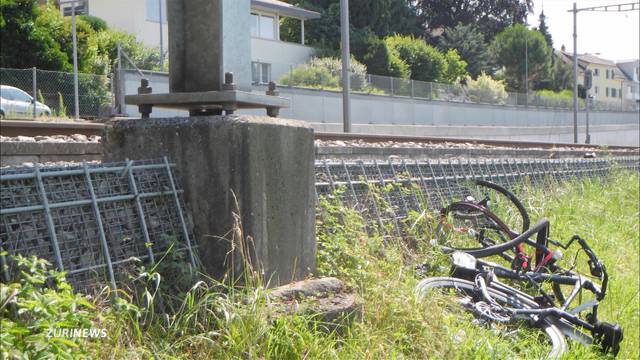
[{"x": 12, "y": 128}]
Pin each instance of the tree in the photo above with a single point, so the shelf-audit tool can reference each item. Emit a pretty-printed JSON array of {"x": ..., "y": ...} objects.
[
  {"x": 25, "y": 43},
  {"x": 491, "y": 16},
  {"x": 470, "y": 45},
  {"x": 455, "y": 67},
  {"x": 425, "y": 62},
  {"x": 544, "y": 30},
  {"x": 374, "y": 52},
  {"x": 381, "y": 17},
  {"x": 40, "y": 36},
  {"x": 562, "y": 75},
  {"x": 508, "y": 49}
]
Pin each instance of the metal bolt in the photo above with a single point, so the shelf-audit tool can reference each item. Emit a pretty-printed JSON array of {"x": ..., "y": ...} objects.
[
  {"x": 144, "y": 109},
  {"x": 228, "y": 82},
  {"x": 144, "y": 87},
  {"x": 272, "y": 89}
]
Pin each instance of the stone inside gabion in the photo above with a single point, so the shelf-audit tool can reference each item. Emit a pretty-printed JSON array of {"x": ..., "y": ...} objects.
[{"x": 27, "y": 228}]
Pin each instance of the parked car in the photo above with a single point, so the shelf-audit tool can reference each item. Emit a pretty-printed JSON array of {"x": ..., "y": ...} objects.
[{"x": 14, "y": 101}]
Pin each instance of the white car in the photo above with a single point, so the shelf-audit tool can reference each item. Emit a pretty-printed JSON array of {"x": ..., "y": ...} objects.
[{"x": 14, "y": 101}]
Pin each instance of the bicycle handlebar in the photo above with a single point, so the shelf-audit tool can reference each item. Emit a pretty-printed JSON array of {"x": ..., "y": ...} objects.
[{"x": 540, "y": 226}]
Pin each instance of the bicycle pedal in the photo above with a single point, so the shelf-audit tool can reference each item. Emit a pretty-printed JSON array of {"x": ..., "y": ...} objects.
[{"x": 609, "y": 336}]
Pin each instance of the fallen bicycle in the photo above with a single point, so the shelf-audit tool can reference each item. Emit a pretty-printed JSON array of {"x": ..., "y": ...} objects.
[{"x": 515, "y": 294}]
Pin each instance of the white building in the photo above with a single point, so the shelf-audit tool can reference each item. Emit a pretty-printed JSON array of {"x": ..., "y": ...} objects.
[
  {"x": 631, "y": 86},
  {"x": 271, "y": 57}
]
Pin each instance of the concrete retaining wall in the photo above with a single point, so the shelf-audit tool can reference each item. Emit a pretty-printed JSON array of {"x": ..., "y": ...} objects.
[
  {"x": 378, "y": 114},
  {"x": 16, "y": 153}
]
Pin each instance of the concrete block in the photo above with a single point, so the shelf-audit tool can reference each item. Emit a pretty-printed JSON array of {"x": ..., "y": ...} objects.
[{"x": 266, "y": 163}]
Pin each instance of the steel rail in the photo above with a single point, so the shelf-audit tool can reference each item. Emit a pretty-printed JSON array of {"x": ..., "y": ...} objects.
[{"x": 14, "y": 128}]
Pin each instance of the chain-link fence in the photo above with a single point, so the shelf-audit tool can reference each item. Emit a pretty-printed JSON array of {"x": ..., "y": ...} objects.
[
  {"x": 405, "y": 186},
  {"x": 304, "y": 76},
  {"x": 55, "y": 89},
  {"x": 91, "y": 220}
]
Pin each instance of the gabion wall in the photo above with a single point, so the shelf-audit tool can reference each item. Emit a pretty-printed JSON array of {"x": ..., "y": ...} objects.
[
  {"x": 429, "y": 185},
  {"x": 91, "y": 219}
]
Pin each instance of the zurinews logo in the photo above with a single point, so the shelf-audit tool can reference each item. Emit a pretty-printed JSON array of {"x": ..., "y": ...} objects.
[{"x": 76, "y": 333}]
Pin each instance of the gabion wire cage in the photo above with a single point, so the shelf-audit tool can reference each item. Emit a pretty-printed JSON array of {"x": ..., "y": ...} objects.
[{"x": 90, "y": 220}]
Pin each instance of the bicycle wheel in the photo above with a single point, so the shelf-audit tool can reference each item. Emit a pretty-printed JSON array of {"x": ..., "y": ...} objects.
[
  {"x": 466, "y": 226},
  {"x": 465, "y": 290}
]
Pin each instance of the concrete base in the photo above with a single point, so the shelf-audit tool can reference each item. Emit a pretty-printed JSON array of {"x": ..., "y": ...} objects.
[{"x": 267, "y": 163}]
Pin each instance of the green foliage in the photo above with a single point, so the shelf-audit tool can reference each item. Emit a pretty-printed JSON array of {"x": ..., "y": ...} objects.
[
  {"x": 490, "y": 16},
  {"x": 544, "y": 29},
  {"x": 25, "y": 42},
  {"x": 40, "y": 36},
  {"x": 561, "y": 75},
  {"x": 95, "y": 22},
  {"x": 326, "y": 73},
  {"x": 470, "y": 45},
  {"x": 374, "y": 53},
  {"x": 217, "y": 321},
  {"x": 508, "y": 49},
  {"x": 484, "y": 89},
  {"x": 35, "y": 304},
  {"x": 455, "y": 67},
  {"x": 424, "y": 61},
  {"x": 62, "y": 109},
  {"x": 380, "y": 17}
]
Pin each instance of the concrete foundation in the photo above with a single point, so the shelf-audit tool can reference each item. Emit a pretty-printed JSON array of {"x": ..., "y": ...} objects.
[{"x": 266, "y": 163}]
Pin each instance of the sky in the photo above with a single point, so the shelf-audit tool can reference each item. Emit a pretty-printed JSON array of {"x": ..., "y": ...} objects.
[{"x": 615, "y": 35}]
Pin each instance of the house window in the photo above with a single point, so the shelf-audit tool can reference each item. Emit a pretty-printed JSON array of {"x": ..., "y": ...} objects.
[
  {"x": 613, "y": 92},
  {"x": 595, "y": 89},
  {"x": 260, "y": 73},
  {"x": 263, "y": 26},
  {"x": 80, "y": 9},
  {"x": 596, "y": 72},
  {"x": 153, "y": 10},
  {"x": 255, "y": 21},
  {"x": 607, "y": 76},
  {"x": 607, "y": 92}
]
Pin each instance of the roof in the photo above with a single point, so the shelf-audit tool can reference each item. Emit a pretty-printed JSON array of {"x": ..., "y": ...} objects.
[
  {"x": 592, "y": 59},
  {"x": 284, "y": 9}
]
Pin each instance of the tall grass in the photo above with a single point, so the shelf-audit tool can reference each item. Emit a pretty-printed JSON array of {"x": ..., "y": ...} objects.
[{"x": 213, "y": 320}]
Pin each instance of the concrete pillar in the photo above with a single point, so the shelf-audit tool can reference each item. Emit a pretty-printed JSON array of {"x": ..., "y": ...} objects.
[
  {"x": 267, "y": 163},
  {"x": 206, "y": 39}
]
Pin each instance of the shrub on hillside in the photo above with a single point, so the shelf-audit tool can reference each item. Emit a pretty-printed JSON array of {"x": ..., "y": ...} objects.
[
  {"x": 484, "y": 89},
  {"x": 425, "y": 62},
  {"x": 325, "y": 73}
]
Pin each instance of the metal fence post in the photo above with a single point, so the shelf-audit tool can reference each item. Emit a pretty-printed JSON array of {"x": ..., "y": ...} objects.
[
  {"x": 375, "y": 206},
  {"x": 50, "y": 224},
  {"x": 35, "y": 90},
  {"x": 185, "y": 233},
  {"x": 143, "y": 221},
  {"x": 389, "y": 203},
  {"x": 103, "y": 238}
]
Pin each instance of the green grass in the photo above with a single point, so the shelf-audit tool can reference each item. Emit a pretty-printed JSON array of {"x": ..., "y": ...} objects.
[{"x": 215, "y": 321}]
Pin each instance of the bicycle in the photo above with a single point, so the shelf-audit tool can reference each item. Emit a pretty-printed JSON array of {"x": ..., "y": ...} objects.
[{"x": 477, "y": 282}]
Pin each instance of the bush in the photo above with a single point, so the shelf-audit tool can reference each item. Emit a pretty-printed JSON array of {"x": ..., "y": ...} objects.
[
  {"x": 31, "y": 310},
  {"x": 326, "y": 73},
  {"x": 376, "y": 55},
  {"x": 486, "y": 90},
  {"x": 425, "y": 62},
  {"x": 455, "y": 69}
]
